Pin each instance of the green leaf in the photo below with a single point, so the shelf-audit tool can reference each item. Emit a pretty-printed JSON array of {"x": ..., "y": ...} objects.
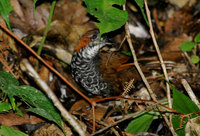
[
  {"x": 19, "y": 112},
  {"x": 187, "y": 46},
  {"x": 34, "y": 97},
  {"x": 7, "y": 80},
  {"x": 176, "y": 124},
  {"x": 46, "y": 114},
  {"x": 195, "y": 59},
  {"x": 140, "y": 3},
  {"x": 44, "y": 106},
  {"x": 110, "y": 18},
  {"x": 34, "y": 2},
  {"x": 197, "y": 38},
  {"x": 5, "y": 107},
  {"x": 127, "y": 53},
  {"x": 140, "y": 124},
  {"x": 184, "y": 105},
  {"x": 8, "y": 131},
  {"x": 5, "y": 10}
]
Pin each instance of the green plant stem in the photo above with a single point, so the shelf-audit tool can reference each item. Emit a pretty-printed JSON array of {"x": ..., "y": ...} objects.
[
  {"x": 45, "y": 32},
  {"x": 13, "y": 45},
  {"x": 34, "y": 3},
  {"x": 9, "y": 27}
]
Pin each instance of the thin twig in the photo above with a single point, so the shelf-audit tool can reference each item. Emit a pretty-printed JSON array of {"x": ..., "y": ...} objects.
[
  {"x": 93, "y": 116},
  {"x": 26, "y": 67},
  {"x": 159, "y": 54},
  {"x": 163, "y": 67},
  {"x": 136, "y": 62},
  {"x": 190, "y": 92},
  {"x": 121, "y": 43}
]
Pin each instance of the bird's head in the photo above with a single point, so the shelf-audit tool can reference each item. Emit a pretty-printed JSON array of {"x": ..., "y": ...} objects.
[{"x": 90, "y": 43}]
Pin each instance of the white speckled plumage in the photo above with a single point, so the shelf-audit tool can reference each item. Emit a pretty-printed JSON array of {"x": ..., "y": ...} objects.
[{"x": 85, "y": 69}]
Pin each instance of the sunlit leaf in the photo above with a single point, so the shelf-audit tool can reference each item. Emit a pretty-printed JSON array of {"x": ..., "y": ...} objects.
[
  {"x": 184, "y": 105},
  {"x": 197, "y": 38},
  {"x": 140, "y": 124},
  {"x": 109, "y": 16},
  {"x": 195, "y": 59},
  {"x": 5, "y": 107},
  {"x": 187, "y": 46},
  {"x": 8, "y": 131},
  {"x": 5, "y": 10}
]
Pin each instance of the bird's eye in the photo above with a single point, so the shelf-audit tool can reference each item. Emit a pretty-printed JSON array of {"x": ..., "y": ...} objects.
[{"x": 94, "y": 36}]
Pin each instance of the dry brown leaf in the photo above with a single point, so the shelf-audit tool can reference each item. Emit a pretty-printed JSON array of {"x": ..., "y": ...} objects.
[{"x": 11, "y": 119}]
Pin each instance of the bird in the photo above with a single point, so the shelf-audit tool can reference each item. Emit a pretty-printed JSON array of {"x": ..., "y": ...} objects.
[
  {"x": 91, "y": 70},
  {"x": 84, "y": 64}
]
